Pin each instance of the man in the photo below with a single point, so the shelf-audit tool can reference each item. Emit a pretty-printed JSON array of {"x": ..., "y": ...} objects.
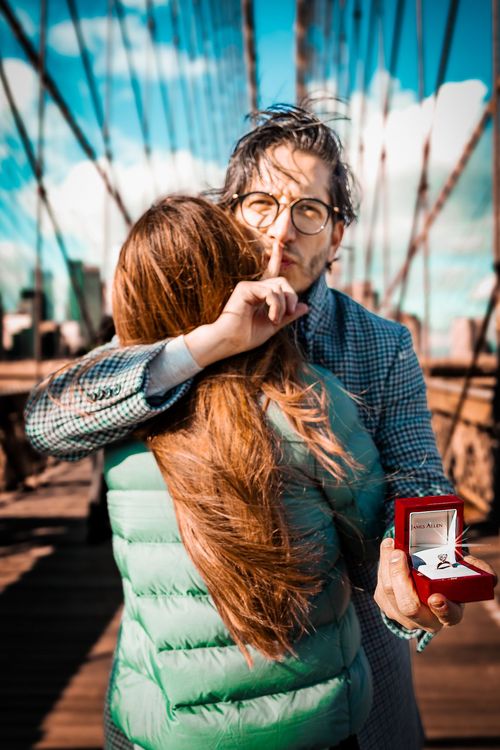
[{"x": 287, "y": 182}]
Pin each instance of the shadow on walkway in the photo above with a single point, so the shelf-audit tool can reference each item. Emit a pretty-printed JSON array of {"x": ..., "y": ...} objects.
[{"x": 49, "y": 620}]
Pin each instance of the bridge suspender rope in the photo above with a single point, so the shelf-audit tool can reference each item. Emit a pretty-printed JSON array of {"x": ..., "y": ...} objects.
[
  {"x": 423, "y": 181},
  {"x": 438, "y": 205},
  {"x": 21, "y": 129},
  {"x": 250, "y": 54},
  {"x": 92, "y": 85},
  {"x": 205, "y": 121},
  {"x": 380, "y": 178},
  {"x": 38, "y": 301},
  {"x": 302, "y": 51},
  {"x": 186, "y": 96},
  {"x": 53, "y": 90},
  {"x": 220, "y": 88},
  {"x": 373, "y": 15},
  {"x": 236, "y": 57},
  {"x": 136, "y": 90},
  {"x": 224, "y": 23},
  {"x": 160, "y": 74},
  {"x": 210, "y": 47},
  {"x": 426, "y": 349}
]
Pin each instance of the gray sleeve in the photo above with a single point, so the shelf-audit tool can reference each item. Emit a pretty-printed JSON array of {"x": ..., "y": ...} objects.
[{"x": 173, "y": 366}]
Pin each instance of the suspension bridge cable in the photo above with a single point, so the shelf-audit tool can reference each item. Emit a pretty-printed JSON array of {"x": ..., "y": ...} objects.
[
  {"x": 37, "y": 311},
  {"x": 423, "y": 180},
  {"x": 440, "y": 201},
  {"x": 239, "y": 59},
  {"x": 215, "y": 94},
  {"x": 136, "y": 89},
  {"x": 225, "y": 78},
  {"x": 213, "y": 37},
  {"x": 250, "y": 54},
  {"x": 53, "y": 90},
  {"x": 206, "y": 122},
  {"x": 302, "y": 48},
  {"x": 426, "y": 349},
  {"x": 235, "y": 55},
  {"x": 229, "y": 66},
  {"x": 478, "y": 347},
  {"x": 327, "y": 36},
  {"x": 108, "y": 90},
  {"x": 28, "y": 149},
  {"x": 317, "y": 27},
  {"x": 365, "y": 67},
  {"x": 160, "y": 74},
  {"x": 353, "y": 81},
  {"x": 87, "y": 67},
  {"x": 202, "y": 42},
  {"x": 186, "y": 95},
  {"x": 381, "y": 167},
  {"x": 93, "y": 88}
]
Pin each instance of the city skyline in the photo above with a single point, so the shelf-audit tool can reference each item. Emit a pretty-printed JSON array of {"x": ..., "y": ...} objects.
[{"x": 460, "y": 241}]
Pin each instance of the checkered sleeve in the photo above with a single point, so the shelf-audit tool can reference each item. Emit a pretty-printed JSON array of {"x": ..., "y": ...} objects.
[
  {"x": 404, "y": 436},
  {"x": 95, "y": 401}
]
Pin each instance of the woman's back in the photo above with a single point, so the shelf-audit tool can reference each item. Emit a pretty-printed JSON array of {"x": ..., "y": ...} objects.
[{"x": 179, "y": 679}]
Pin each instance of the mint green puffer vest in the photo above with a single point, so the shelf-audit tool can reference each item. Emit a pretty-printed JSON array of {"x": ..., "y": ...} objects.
[{"x": 179, "y": 682}]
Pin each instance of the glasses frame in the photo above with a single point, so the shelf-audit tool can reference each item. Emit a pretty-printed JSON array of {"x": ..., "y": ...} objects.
[{"x": 332, "y": 210}]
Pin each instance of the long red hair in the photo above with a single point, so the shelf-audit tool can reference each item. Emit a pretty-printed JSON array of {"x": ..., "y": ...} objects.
[{"x": 219, "y": 458}]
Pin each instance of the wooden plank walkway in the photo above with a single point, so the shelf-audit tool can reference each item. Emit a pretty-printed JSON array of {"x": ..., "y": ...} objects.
[{"x": 59, "y": 614}]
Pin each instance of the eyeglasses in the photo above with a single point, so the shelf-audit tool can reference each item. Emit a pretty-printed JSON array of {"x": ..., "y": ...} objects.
[{"x": 309, "y": 215}]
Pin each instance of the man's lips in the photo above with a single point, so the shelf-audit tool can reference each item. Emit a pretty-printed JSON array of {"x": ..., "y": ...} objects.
[{"x": 285, "y": 262}]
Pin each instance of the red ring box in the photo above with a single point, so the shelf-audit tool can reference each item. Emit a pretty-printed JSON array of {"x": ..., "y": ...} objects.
[{"x": 429, "y": 530}]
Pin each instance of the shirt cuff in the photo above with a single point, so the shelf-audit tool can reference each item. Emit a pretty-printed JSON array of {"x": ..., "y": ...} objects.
[
  {"x": 423, "y": 637},
  {"x": 173, "y": 365}
]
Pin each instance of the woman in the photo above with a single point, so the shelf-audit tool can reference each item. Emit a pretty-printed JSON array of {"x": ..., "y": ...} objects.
[{"x": 238, "y": 630}]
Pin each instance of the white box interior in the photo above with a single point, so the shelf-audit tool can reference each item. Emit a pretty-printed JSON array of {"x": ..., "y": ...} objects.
[{"x": 433, "y": 543}]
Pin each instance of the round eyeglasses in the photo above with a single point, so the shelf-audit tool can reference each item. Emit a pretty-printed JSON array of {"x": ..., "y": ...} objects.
[{"x": 309, "y": 215}]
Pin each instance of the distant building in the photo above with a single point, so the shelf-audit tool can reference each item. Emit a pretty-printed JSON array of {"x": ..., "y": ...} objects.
[
  {"x": 89, "y": 281},
  {"x": 464, "y": 337}
]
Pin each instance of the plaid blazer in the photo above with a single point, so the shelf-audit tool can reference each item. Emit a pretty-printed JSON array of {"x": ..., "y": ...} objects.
[{"x": 101, "y": 398}]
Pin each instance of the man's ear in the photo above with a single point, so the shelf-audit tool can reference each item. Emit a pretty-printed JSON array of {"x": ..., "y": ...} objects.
[{"x": 336, "y": 239}]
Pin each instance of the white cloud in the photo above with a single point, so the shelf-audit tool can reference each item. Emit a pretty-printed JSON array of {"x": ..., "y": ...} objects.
[
  {"x": 26, "y": 21},
  {"x": 80, "y": 198},
  {"x": 483, "y": 289},
  {"x": 24, "y": 85},
  {"x": 95, "y": 30}
]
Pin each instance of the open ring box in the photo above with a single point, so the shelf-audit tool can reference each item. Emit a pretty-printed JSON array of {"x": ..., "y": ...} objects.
[{"x": 430, "y": 531}]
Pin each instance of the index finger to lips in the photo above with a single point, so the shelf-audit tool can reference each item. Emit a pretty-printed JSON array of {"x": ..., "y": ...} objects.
[{"x": 274, "y": 264}]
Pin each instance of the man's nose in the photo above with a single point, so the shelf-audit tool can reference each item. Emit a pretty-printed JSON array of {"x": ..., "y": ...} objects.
[{"x": 282, "y": 228}]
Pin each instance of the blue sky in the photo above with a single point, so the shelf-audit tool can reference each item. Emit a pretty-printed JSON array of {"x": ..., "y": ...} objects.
[{"x": 460, "y": 242}]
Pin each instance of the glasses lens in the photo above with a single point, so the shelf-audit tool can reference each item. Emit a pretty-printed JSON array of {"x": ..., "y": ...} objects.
[
  {"x": 259, "y": 209},
  {"x": 309, "y": 215}
]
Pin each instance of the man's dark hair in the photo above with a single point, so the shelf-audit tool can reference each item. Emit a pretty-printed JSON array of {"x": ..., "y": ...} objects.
[{"x": 284, "y": 124}]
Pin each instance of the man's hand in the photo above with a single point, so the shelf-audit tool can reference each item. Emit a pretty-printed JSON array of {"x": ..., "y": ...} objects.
[
  {"x": 398, "y": 599},
  {"x": 255, "y": 311}
]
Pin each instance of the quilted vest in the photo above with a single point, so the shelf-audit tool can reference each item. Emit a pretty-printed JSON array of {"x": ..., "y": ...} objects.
[{"x": 179, "y": 682}]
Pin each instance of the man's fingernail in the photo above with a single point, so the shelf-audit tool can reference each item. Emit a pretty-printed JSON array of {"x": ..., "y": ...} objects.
[
  {"x": 388, "y": 543},
  {"x": 395, "y": 559},
  {"x": 438, "y": 604}
]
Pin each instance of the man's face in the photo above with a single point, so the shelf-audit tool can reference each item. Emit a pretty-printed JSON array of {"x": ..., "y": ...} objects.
[{"x": 297, "y": 174}]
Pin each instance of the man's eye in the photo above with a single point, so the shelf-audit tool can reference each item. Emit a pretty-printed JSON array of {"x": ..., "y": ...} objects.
[
  {"x": 260, "y": 204},
  {"x": 311, "y": 210}
]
